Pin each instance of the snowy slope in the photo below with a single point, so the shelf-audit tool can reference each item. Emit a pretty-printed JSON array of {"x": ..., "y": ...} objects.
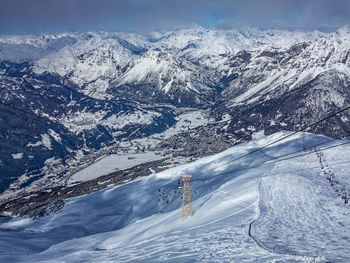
[
  {"x": 278, "y": 60},
  {"x": 269, "y": 70},
  {"x": 140, "y": 221},
  {"x": 199, "y": 42},
  {"x": 16, "y": 48},
  {"x": 166, "y": 73},
  {"x": 93, "y": 60}
]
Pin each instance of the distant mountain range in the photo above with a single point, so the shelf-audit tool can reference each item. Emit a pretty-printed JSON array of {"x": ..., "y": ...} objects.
[{"x": 67, "y": 99}]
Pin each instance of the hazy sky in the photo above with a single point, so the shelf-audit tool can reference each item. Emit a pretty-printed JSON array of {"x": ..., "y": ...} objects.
[{"x": 27, "y": 16}]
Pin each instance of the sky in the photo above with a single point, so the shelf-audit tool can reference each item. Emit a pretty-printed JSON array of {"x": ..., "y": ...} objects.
[{"x": 33, "y": 16}]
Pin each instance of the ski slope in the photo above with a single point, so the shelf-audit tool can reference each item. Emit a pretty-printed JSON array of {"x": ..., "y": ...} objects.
[{"x": 287, "y": 207}]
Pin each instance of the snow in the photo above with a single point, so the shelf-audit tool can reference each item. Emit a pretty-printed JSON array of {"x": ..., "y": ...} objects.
[
  {"x": 137, "y": 117},
  {"x": 344, "y": 118},
  {"x": 51, "y": 161},
  {"x": 17, "y": 223},
  {"x": 110, "y": 164},
  {"x": 92, "y": 58},
  {"x": 283, "y": 124},
  {"x": 292, "y": 212},
  {"x": 17, "y": 156},
  {"x": 255, "y": 89},
  {"x": 80, "y": 121},
  {"x": 20, "y": 52},
  {"x": 55, "y": 135},
  {"x": 317, "y": 55},
  {"x": 45, "y": 141},
  {"x": 187, "y": 121},
  {"x": 342, "y": 68},
  {"x": 184, "y": 122},
  {"x": 207, "y": 42},
  {"x": 166, "y": 71},
  {"x": 38, "y": 143},
  {"x": 323, "y": 217},
  {"x": 258, "y": 134}
]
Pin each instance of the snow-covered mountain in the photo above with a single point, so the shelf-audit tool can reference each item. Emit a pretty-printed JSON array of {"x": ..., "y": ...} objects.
[
  {"x": 46, "y": 121},
  {"x": 272, "y": 212},
  {"x": 159, "y": 76},
  {"x": 69, "y": 100},
  {"x": 265, "y": 71},
  {"x": 93, "y": 59}
]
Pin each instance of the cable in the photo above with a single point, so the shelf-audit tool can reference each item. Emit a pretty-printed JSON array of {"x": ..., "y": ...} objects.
[
  {"x": 280, "y": 139},
  {"x": 280, "y": 160},
  {"x": 308, "y": 148},
  {"x": 320, "y": 150}
]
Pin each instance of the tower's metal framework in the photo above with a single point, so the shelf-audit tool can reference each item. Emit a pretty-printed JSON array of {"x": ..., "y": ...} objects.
[{"x": 186, "y": 196}]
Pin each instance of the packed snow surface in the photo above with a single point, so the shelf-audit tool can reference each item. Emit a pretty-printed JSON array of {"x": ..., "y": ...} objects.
[{"x": 287, "y": 207}]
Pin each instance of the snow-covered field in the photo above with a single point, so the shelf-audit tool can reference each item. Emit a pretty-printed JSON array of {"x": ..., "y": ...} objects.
[
  {"x": 287, "y": 207},
  {"x": 112, "y": 163},
  {"x": 121, "y": 161}
]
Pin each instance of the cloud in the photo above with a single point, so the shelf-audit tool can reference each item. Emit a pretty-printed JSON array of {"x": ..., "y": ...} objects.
[
  {"x": 298, "y": 14},
  {"x": 127, "y": 15}
]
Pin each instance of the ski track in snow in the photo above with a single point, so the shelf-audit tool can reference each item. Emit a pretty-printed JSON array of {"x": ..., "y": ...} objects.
[{"x": 266, "y": 214}]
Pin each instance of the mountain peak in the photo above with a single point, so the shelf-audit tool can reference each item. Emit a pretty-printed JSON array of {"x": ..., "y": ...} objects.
[{"x": 345, "y": 30}]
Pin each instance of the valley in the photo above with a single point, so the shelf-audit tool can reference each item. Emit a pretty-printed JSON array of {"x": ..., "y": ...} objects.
[{"x": 94, "y": 109}]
